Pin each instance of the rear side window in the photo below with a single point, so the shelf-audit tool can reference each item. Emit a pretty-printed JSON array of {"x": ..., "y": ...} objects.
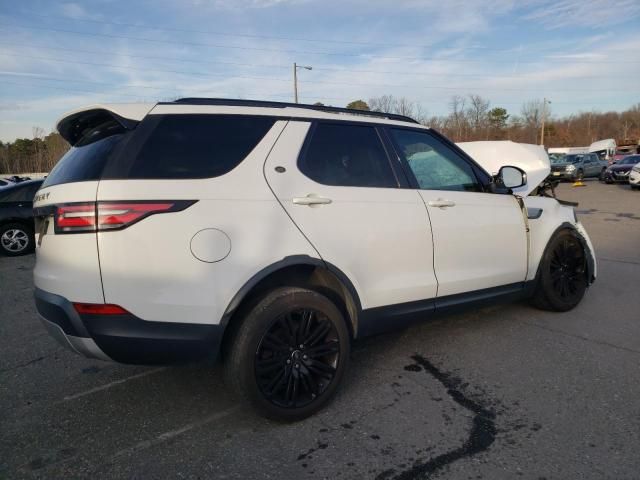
[
  {"x": 348, "y": 156},
  {"x": 84, "y": 161},
  {"x": 190, "y": 146}
]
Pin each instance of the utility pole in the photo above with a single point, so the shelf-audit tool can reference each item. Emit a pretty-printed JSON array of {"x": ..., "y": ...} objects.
[
  {"x": 295, "y": 78},
  {"x": 544, "y": 117},
  {"x": 295, "y": 82}
]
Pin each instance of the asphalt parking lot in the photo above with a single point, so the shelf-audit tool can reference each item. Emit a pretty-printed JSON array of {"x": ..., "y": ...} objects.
[{"x": 503, "y": 392}]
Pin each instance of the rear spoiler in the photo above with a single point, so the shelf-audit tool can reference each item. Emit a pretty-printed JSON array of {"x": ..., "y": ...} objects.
[{"x": 74, "y": 125}]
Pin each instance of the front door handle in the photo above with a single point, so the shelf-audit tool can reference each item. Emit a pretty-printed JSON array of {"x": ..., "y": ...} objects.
[
  {"x": 311, "y": 199},
  {"x": 441, "y": 203}
]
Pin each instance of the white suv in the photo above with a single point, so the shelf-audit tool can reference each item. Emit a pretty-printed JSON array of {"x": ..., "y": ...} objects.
[{"x": 274, "y": 234}]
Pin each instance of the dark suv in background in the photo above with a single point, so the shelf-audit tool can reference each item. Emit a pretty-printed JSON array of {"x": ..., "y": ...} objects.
[
  {"x": 577, "y": 166},
  {"x": 16, "y": 218}
]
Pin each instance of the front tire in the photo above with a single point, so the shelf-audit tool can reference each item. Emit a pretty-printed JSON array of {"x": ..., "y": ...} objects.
[
  {"x": 16, "y": 239},
  {"x": 290, "y": 353},
  {"x": 562, "y": 276}
]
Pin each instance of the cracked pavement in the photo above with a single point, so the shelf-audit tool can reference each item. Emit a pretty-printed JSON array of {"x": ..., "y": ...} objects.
[{"x": 495, "y": 393}]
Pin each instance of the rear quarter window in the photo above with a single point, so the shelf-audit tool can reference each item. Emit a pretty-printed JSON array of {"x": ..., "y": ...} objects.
[
  {"x": 189, "y": 146},
  {"x": 86, "y": 160}
]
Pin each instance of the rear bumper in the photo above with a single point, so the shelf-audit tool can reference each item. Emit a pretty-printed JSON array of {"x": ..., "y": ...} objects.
[{"x": 126, "y": 338}]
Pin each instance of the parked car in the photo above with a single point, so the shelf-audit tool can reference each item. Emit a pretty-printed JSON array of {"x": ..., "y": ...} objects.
[
  {"x": 619, "y": 172},
  {"x": 576, "y": 167},
  {"x": 16, "y": 218},
  {"x": 275, "y": 234},
  {"x": 634, "y": 177}
]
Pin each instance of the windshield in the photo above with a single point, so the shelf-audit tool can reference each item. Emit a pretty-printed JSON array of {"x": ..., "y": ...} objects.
[
  {"x": 573, "y": 158},
  {"x": 557, "y": 157},
  {"x": 632, "y": 160}
]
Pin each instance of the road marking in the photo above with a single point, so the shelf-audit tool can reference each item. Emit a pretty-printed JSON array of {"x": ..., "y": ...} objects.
[
  {"x": 163, "y": 437},
  {"x": 112, "y": 384}
]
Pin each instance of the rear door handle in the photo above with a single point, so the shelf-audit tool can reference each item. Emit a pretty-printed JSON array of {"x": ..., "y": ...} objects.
[
  {"x": 441, "y": 203},
  {"x": 311, "y": 199}
]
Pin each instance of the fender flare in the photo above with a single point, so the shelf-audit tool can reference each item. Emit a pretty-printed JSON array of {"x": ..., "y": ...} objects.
[
  {"x": 291, "y": 261},
  {"x": 585, "y": 246}
]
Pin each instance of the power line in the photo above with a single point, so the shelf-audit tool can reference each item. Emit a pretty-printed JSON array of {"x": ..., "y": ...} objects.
[
  {"x": 312, "y": 82},
  {"x": 287, "y": 67},
  {"x": 246, "y": 35},
  {"x": 316, "y": 97},
  {"x": 302, "y": 52}
]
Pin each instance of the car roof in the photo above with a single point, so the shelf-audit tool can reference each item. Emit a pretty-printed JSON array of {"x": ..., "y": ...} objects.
[
  {"x": 309, "y": 109},
  {"x": 22, "y": 184},
  {"x": 135, "y": 112}
]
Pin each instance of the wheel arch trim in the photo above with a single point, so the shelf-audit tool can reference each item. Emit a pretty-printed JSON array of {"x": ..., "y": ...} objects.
[
  {"x": 589, "y": 254},
  {"x": 292, "y": 261}
]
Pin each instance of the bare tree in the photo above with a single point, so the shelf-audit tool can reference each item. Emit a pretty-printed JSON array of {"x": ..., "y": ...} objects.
[
  {"x": 532, "y": 117},
  {"x": 477, "y": 113},
  {"x": 385, "y": 103},
  {"x": 458, "y": 117}
]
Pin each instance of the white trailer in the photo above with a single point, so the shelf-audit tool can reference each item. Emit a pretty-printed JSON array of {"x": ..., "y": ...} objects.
[{"x": 605, "y": 149}]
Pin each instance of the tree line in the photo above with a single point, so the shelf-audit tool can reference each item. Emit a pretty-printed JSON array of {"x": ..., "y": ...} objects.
[{"x": 470, "y": 118}]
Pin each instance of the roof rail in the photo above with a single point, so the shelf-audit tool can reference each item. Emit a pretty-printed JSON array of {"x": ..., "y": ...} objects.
[{"x": 270, "y": 104}]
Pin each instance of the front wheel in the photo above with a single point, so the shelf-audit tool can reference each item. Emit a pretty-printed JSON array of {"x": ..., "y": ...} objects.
[
  {"x": 562, "y": 277},
  {"x": 290, "y": 353},
  {"x": 579, "y": 176}
]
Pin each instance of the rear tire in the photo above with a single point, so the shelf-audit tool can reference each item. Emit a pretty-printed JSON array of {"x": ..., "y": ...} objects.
[
  {"x": 562, "y": 276},
  {"x": 16, "y": 239},
  {"x": 289, "y": 355}
]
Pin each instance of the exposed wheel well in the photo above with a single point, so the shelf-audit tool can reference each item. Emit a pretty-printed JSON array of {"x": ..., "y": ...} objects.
[{"x": 315, "y": 277}]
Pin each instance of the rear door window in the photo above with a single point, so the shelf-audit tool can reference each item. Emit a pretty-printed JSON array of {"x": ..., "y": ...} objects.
[
  {"x": 189, "y": 146},
  {"x": 348, "y": 156}
]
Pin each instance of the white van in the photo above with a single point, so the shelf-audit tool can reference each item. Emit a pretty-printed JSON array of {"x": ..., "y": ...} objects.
[{"x": 605, "y": 149}]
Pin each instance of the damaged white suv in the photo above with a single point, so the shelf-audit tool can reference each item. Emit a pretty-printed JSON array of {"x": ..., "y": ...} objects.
[{"x": 274, "y": 234}]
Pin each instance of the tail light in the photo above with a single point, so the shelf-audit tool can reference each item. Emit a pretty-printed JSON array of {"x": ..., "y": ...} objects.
[
  {"x": 99, "y": 309},
  {"x": 98, "y": 216}
]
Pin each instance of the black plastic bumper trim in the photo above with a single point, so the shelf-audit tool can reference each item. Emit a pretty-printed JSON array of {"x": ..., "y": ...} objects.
[{"x": 129, "y": 339}]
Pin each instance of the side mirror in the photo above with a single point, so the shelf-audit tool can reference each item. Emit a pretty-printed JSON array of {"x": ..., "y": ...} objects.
[{"x": 512, "y": 177}]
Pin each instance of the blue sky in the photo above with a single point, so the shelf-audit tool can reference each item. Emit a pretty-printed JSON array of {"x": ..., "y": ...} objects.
[{"x": 56, "y": 56}]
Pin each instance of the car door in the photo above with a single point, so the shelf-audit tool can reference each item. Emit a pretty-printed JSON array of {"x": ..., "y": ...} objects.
[
  {"x": 17, "y": 201},
  {"x": 588, "y": 165},
  {"x": 336, "y": 182},
  {"x": 479, "y": 238}
]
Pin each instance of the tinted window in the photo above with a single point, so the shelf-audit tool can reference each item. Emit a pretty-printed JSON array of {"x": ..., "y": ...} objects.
[
  {"x": 191, "y": 146},
  {"x": 435, "y": 165},
  {"x": 85, "y": 161},
  {"x": 631, "y": 160},
  {"x": 21, "y": 193},
  {"x": 347, "y": 155}
]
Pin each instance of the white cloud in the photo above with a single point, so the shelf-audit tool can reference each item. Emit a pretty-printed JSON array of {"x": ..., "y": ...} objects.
[
  {"x": 591, "y": 13},
  {"x": 77, "y": 12}
]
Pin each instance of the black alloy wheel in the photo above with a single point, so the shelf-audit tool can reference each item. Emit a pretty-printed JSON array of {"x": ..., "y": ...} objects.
[
  {"x": 562, "y": 278},
  {"x": 288, "y": 352},
  {"x": 567, "y": 268},
  {"x": 297, "y": 358}
]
